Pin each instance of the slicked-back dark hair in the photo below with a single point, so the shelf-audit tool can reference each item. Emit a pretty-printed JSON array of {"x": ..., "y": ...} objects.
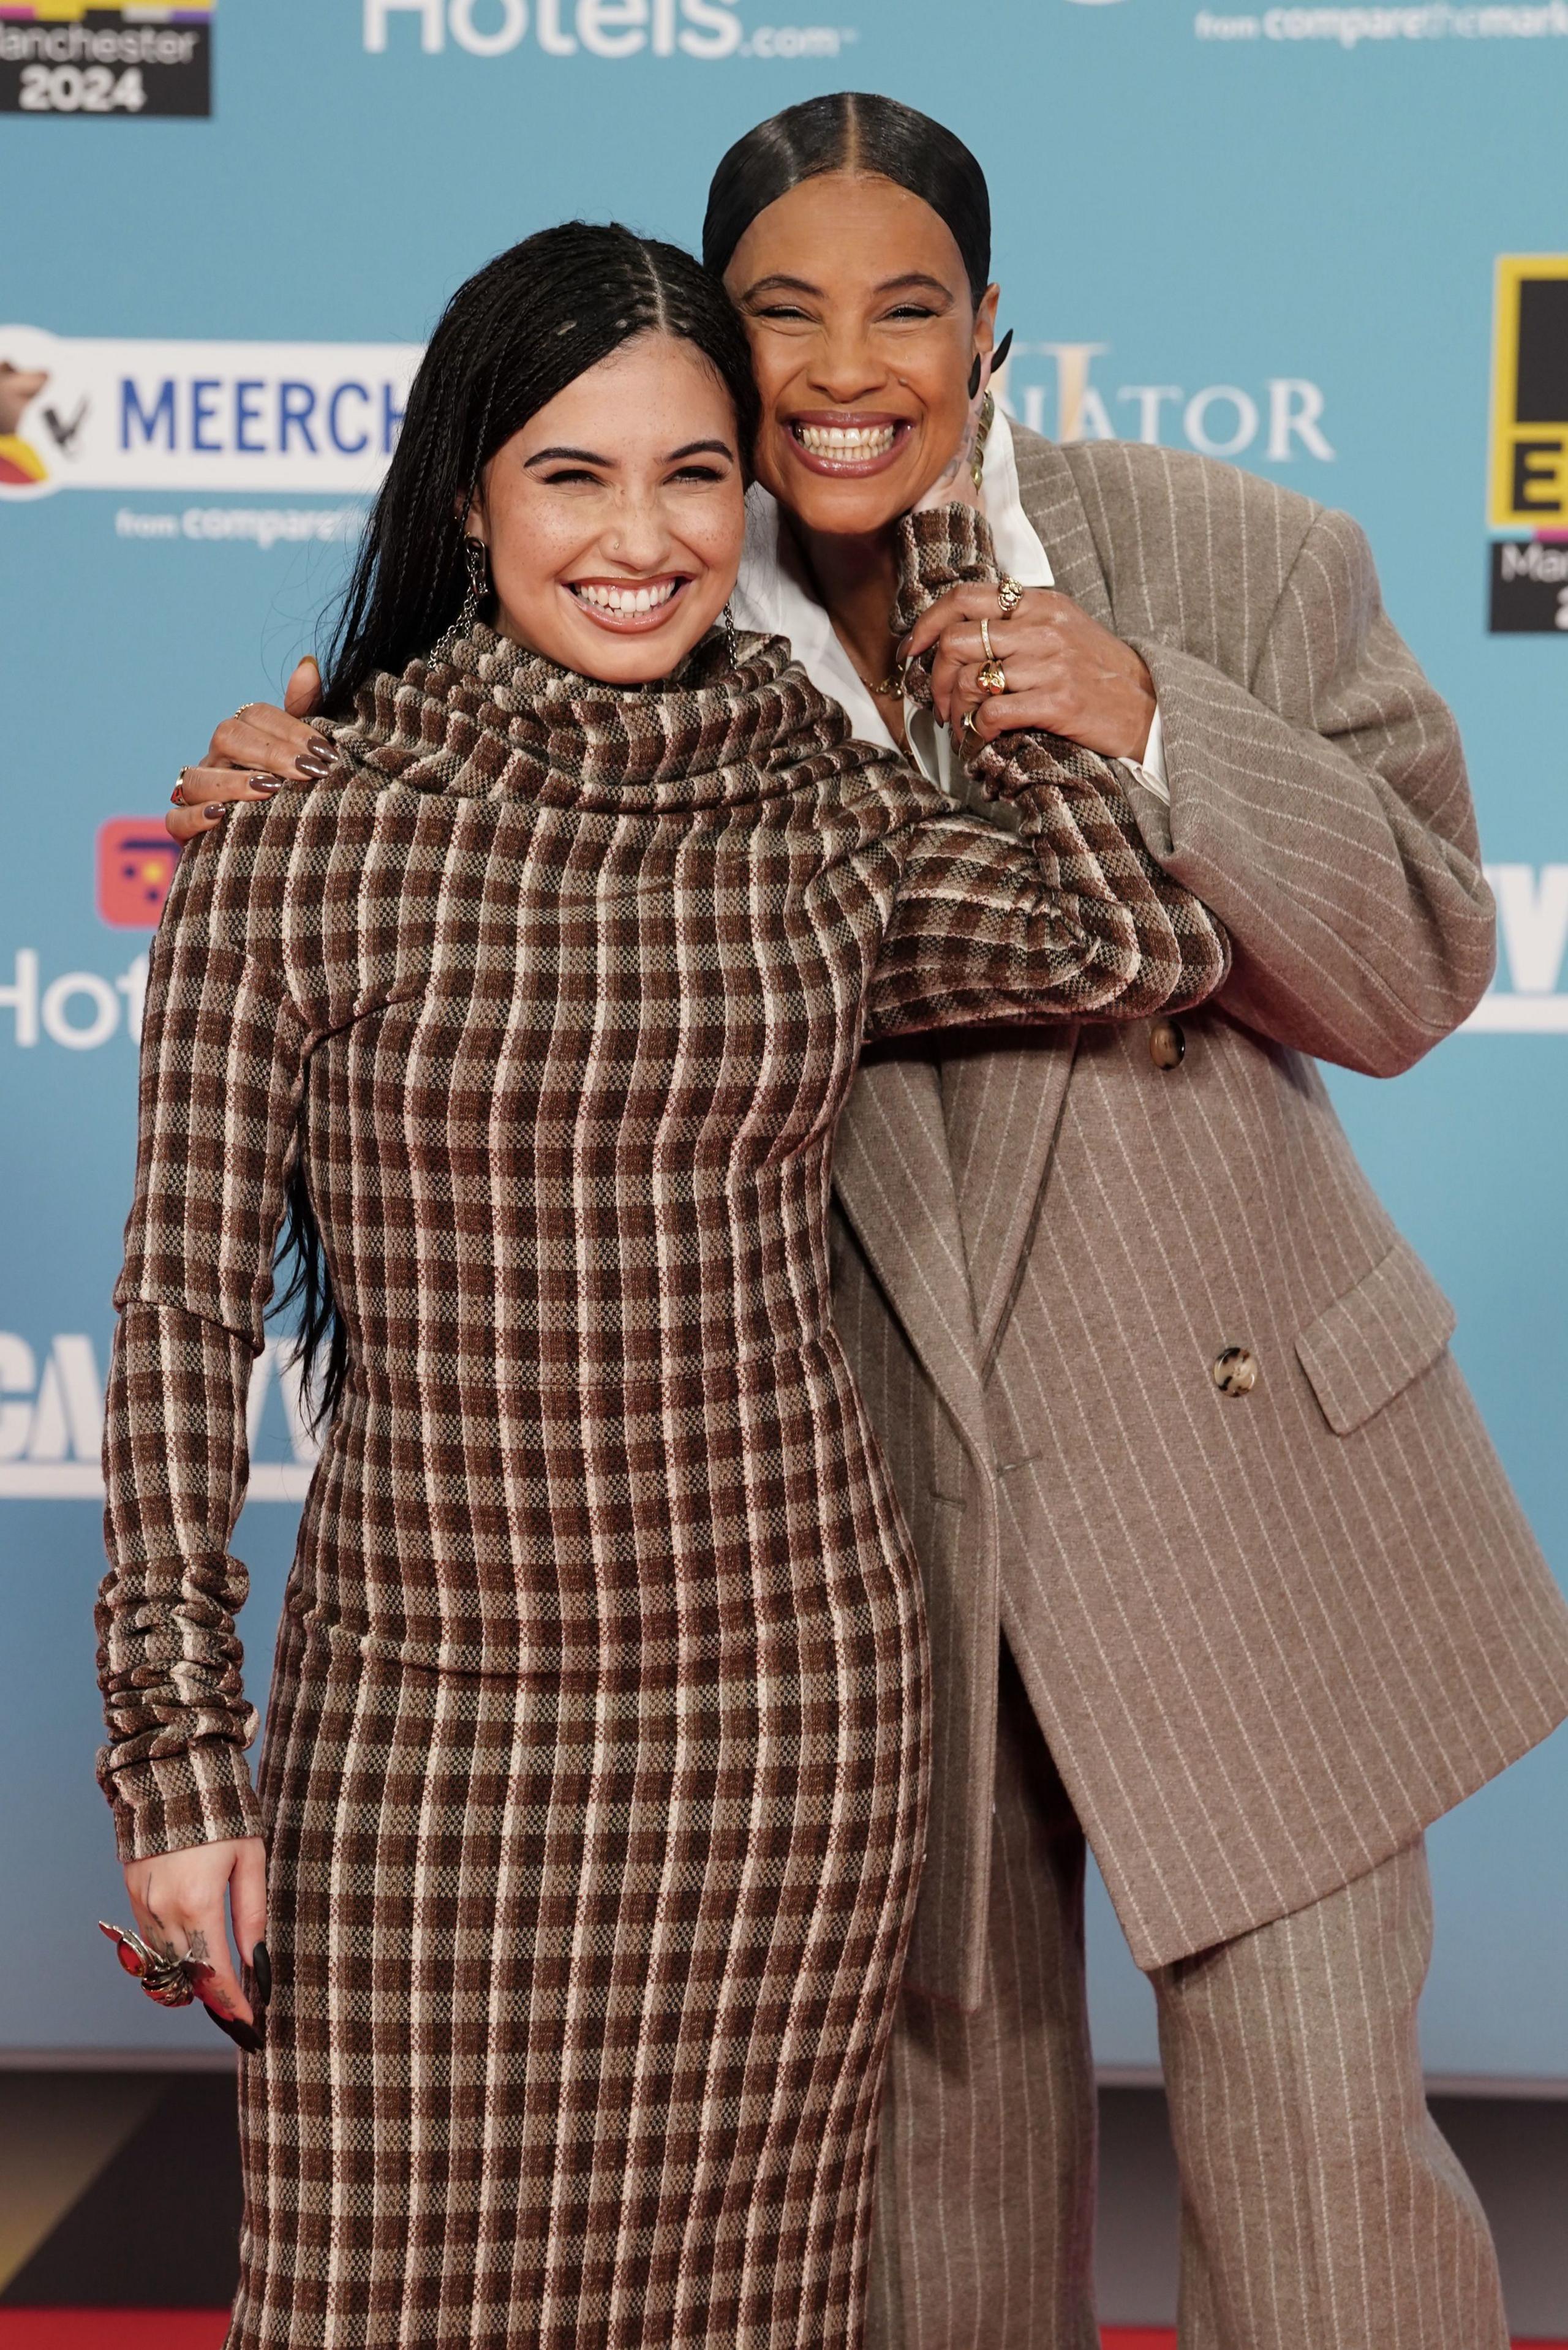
[
  {"x": 851, "y": 131},
  {"x": 524, "y": 328}
]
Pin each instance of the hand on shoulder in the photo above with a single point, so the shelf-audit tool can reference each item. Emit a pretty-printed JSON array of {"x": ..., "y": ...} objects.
[{"x": 253, "y": 753}]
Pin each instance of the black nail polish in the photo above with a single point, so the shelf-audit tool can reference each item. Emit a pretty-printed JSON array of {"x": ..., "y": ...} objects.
[
  {"x": 261, "y": 1973},
  {"x": 243, "y": 2035}
]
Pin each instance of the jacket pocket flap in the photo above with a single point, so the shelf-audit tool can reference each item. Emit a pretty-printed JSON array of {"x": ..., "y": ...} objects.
[{"x": 1375, "y": 1339}]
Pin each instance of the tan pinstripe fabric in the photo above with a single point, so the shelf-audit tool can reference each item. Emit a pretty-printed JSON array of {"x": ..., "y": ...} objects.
[
  {"x": 1321, "y": 2204},
  {"x": 1322, "y": 2209},
  {"x": 1269, "y": 1637},
  {"x": 984, "y": 2237}
]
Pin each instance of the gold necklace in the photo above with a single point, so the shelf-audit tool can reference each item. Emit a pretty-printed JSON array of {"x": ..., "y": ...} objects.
[{"x": 891, "y": 687}]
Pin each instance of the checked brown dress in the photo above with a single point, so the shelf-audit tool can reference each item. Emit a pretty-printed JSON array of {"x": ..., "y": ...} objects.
[{"x": 593, "y": 1783}]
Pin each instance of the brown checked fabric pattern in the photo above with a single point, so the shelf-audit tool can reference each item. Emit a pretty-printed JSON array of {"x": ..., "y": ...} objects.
[{"x": 595, "y": 1777}]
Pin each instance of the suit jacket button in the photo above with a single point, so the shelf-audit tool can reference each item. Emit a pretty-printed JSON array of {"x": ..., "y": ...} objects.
[
  {"x": 1167, "y": 1044},
  {"x": 1236, "y": 1371}
]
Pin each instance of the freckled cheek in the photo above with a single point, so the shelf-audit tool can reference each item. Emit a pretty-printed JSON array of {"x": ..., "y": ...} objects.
[
  {"x": 529, "y": 560},
  {"x": 717, "y": 540}
]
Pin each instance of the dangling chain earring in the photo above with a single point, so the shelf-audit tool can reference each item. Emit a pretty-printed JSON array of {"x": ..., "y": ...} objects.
[
  {"x": 982, "y": 435},
  {"x": 476, "y": 556},
  {"x": 732, "y": 637},
  {"x": 987, "y": 408}
]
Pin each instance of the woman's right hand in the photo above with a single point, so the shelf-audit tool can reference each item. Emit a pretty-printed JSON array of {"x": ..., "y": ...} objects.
[
  {"x": 252, "y": 753},
  {"x": 177, "y": 1900}
]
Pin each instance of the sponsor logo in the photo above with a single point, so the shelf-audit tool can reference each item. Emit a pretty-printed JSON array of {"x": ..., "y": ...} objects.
[
  {"x": 78, "y": 414},
  {"x": 80, "y": 1010},
  {"x": 136, "y": 862},
  {"x": 1527, "y": 469},
  {"x": 101, "y": 57},
  {"x": 1351, "y": 28},
  {"x": 51, "y": 1422},
  {"x": 1276, "y": 421},
  {"x": 706, "y": 30},
  {"x": 1532, "y": 926},
  {"x": 260, "y": 527},
  {"x": 325, "y": 417}
]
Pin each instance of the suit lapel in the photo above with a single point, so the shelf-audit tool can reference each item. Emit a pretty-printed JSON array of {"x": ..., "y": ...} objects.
[
  {"x": 1051, "y": 500},
  {"x": 1002, "y": 1095},
  {"x": 894, "y": 1184},
  {"x": 942, "y": 1176}
]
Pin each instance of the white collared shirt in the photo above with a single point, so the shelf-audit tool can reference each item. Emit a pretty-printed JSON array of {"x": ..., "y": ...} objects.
[{"x": 775, "y": 596}]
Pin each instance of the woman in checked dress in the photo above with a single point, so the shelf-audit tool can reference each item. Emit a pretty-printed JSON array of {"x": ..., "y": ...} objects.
[{"x": 589, "y": 1818}]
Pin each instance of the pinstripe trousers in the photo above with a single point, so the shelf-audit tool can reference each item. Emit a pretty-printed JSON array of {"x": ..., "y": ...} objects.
[{"x": 1321, "y": 2206}]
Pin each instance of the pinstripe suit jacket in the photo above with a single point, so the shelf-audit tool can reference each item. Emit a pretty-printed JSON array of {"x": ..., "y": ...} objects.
[{"x": 1268, "y": 1637}]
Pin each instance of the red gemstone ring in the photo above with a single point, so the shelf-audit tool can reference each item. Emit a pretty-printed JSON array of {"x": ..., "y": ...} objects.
[{"x": 171, "y": 1981}]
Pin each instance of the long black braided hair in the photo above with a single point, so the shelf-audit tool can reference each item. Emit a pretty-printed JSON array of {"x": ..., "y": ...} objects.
[{"x": 522, "y": 328}]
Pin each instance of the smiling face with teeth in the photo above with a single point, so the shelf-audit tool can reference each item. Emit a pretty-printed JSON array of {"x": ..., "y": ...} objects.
[
  {"x": 615, "y": 518},
  {"x": 863, "y": 332}
]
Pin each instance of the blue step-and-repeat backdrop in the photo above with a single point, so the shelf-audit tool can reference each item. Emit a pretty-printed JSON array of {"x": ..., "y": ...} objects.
[{"x": 1329, "y": 244}]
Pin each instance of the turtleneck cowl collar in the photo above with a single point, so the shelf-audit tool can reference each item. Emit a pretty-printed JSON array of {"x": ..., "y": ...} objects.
[{"x": 487, "y": 718}]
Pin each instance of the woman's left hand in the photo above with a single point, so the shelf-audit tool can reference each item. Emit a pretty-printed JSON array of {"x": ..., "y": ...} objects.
[{"x": 1065, "y": 675}]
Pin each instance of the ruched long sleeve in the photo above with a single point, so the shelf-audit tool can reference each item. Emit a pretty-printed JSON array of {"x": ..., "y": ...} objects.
[
  {"x": 1072, "y": 918},
  {"x": 223, "y": 1054}
]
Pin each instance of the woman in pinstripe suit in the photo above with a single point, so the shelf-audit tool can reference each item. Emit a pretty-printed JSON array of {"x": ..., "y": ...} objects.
[{"x": 593, "y": 1793}]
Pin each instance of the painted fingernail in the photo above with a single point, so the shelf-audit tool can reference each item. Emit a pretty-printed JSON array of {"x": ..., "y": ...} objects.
[
  {"x": 243, "y": 2035},
  {"x": 318, "y": 761},
  {"x": 261, "y": 1973},
  {"x": 214, "y": 808},
  {"x": 267, "y": 784}
]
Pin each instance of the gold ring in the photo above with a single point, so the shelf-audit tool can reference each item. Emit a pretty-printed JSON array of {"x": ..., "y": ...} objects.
[
  {"x": 1009, "y": 595},
  {"x": 177, "y": 796},
  {"x": 985, "y": 640},
  {"x": 992, "y": 678}
]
